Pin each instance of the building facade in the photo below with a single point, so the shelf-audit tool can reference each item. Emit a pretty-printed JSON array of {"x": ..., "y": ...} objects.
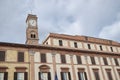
[{"x": 69, "y": 57}]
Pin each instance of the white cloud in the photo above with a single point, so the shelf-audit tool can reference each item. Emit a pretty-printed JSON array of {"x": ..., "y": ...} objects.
[
  {"x": 111, "y": 32},
  {"x": 75, "y": 17}
]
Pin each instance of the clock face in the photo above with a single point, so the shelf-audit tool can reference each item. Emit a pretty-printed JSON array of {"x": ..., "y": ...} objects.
[{"x": 32, "y": 22}]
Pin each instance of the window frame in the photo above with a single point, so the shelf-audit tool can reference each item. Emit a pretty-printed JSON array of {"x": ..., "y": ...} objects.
[
  {"x": 43, "y": 57},
  {"x": 63, "y": 58},
  {"x": 75, "y": 45},
  {"x": 21, "y": 57},
  {"x": 93, "y": 60},
  {"x": 60, "y": 43},
  {"x": 2, "y": 55}
]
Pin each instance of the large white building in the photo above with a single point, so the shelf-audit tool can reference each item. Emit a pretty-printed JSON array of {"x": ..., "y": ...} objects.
[{"x": 69, "y": 57}]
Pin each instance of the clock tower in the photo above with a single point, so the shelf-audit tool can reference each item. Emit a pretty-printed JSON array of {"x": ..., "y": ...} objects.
[{"x": 32, "y": 30}]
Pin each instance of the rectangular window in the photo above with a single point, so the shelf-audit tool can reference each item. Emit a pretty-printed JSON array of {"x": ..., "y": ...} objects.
[
  {"x": 60, "y": 43},
  {"x": 43, "y": 58},
  {"x": 105, "y": 61},
  {"x": 1, "y": 76},
  {"x": 109, "y": 74},
  {"x": 96, "y": 74},
  {"x": 2, "y": 55},
  {"x": 82, "y": 76},
  {"x": 79, "y": 59},
  {"x": 116, "y": 61},
  {"x": 44, "y": 76},
  {"x": 118, "y": 72},
  {"x": 89, "y": 47},
  {"x": 111, "y": 49},
  {"x": 75, "y": 45},
  {"x": 101, "y": 48},
  {"x": 63, "y": 59},
  {"x": 65, "y": 76},
  {"x": 20, "y": 76},
  {"x": 20, "y": 56},
  {"x": 93, "y": 60}
]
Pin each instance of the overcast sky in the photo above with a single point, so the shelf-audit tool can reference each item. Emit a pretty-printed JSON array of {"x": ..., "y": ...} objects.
[{"x": 95, "y": 18}]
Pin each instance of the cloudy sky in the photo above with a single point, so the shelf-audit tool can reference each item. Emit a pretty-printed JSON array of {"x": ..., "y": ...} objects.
[{"x": 96, "y": 18}]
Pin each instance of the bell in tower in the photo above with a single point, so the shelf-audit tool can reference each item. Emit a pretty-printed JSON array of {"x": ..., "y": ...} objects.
[{"x": 32, "y": 30}]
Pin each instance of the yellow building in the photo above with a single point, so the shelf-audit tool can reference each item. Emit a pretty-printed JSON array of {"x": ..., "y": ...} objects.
[{"x": 68, "y": 57}]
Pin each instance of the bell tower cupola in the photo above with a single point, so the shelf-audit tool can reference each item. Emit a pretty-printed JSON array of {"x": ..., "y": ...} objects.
[{"x": 32, "y": 30}]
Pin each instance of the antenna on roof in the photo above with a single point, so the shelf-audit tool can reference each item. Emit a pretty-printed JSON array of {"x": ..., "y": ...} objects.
[{"x": 31, "y": 5}]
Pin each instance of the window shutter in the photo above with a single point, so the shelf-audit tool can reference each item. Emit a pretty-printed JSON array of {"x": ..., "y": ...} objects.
[
  {"x": 49, "y": 76},
  {"x": 79, "y": 76},
  {"x": 2, "y": 55},
  {"x": 69, "y": 75},
  {"x": 6, "y": 76},
  {"x": 85, "y": 76},
  {"x": 62, "y": 76},
  {"x": 25, "y": 76},
  {"x": 39, "y": 75},
  {"x": 15, "y": 75},
  {"x": 20, "y": 56}
]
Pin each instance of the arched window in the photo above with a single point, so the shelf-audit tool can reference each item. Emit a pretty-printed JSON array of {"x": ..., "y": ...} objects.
[{"x": 33, "y": 35}]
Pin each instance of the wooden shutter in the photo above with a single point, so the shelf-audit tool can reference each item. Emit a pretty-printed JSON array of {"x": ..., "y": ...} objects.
[
  {"x": 43, "y": 57},
  {"x": 62, "y": 76},
  {"x": 109, "y": 75},
  {"x": 2, "y": 55},
  {"x": 39, "y": 76},
  {"x": 89, "y": 47},
  {"x": 49, "y": 76},
  {"x": 116, "y": 62},
  {"x": 60, "y": 43},
  {"x": 25, "y": 76},
  {"x": 79, "y": 59},
  {"x": 63, "y": 59},
  {"x": 105, "y": 61},
  {"x": 5, "y": 75},
  {"x": 75, "y": 45},
  {"x": 20, "y": 56},
  {"x": 93, "y": 60},
  {"x": 96, "y": 75},
  {"x": 79, "y": 76},
  {"x": 85, "y": 76},
  {"x": 69, "y": 75},
  {"x": 15, "y": 75}
]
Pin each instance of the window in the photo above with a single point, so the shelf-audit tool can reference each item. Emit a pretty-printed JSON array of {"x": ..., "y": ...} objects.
[
  {"x": 116, "y": 61},
  {"x": 96, "y": 74},
  {"x": 101, "y": 48},
  {"x": 89, "y": 47},
  {"x": 3, "y": 75},
  {"x": 44, "y": 76},
  {"x": 65, "y": 76},
  {"x": 20, "y": 76},
  {"x": 109, "y": 74},
  {"x": 2, "y": 55},
  {"x": 60, "y": 43},
  {"x": 43, "y": 58},
  {"x": 111, "y": 49},
  {"x": 20, "y": 56},
  {"x": 33, "y": 36},
  {"x": 78, "y": 59},
  {"x": 75, "y": 45},
  {"x": 93, "y": 60},
  {"x": 105, "y": 61},
  {"x": 63, "y": 59},
  {"x": 118, "y": 72},
  {"x": 82, "y": 75}
]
